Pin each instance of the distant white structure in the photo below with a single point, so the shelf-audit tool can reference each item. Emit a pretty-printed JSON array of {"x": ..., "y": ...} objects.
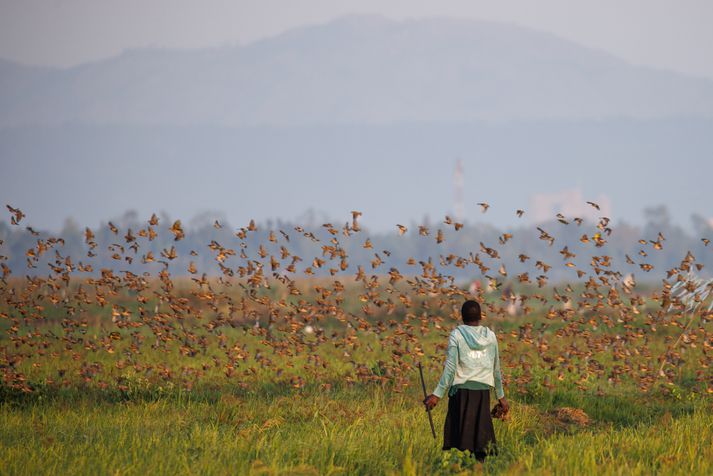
[
  {"x": 474, "y": 288},
  {"x": 570, "y": 203},
  {"x": 458, "y": 202},
  {"x": 513, "y": 306}
]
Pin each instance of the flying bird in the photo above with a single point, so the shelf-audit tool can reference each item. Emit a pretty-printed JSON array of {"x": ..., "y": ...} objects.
[{"x": 17, "y": 215}]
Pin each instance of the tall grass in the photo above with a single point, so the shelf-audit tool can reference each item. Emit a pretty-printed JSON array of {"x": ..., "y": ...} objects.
[
  {"x": 131, "y": 418},
  {"x": 365, "y": 429}
]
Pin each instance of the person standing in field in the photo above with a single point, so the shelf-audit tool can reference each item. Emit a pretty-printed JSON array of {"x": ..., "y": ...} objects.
[{"x": 472, "y": 368}]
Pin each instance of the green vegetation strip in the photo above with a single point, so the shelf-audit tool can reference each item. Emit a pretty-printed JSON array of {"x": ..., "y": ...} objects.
[{"x": 361, "y": 430}]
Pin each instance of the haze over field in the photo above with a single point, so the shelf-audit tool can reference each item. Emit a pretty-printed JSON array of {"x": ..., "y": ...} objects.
[{"x": 361, "y": 112}]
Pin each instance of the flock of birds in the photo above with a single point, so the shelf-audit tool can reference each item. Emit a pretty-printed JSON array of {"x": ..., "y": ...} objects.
[{"x": 597, "y": 330}]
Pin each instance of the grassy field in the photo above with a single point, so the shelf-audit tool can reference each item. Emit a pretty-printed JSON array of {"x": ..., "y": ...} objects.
[
  {"x": 129, "y": 352},
  {"x": 359, "y": 430},
  {"x": 134, "y": 376},
  {"x": 165, "y": 413}
]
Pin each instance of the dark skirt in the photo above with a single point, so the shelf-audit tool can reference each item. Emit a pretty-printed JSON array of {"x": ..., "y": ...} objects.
[{"x": 469, "y": 425}]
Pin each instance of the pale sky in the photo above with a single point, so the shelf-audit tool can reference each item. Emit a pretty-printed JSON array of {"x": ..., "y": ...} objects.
[{"x": 670, "y": 34}]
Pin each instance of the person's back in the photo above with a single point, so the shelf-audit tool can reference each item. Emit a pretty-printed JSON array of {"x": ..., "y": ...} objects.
[
  {"x": 472, "y": 368},
  {"x": 477, "y": 361}
]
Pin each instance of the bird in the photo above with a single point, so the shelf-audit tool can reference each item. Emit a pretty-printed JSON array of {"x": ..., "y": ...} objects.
[
  {"x": 177, "y": 231},
  {"x": 18, "y": 215}
]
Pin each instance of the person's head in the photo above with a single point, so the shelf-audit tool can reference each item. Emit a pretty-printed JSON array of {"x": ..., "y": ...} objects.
[{"x": 470, "y": 312}]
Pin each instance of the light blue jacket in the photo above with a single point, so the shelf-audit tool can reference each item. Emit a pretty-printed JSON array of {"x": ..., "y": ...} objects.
[{"x": 472, "y": 356}]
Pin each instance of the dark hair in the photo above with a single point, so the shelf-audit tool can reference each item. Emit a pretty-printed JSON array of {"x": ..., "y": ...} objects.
[{"x": 470, "y": 311}]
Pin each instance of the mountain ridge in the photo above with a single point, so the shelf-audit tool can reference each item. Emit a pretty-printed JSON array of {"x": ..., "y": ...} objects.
[{"x": 355, "y": 69}]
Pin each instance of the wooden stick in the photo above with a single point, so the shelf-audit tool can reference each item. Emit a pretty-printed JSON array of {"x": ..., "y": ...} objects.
[{"x": 423, "y": 386}]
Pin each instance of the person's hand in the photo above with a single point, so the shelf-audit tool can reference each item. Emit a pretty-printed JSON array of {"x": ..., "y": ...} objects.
[
  {"x": 431, "y": 401},
  {"x": 500, "y": 410},
  {"x": 506, "y": 408}
]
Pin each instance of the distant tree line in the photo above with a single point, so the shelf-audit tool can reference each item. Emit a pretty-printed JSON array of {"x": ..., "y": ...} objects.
[{"x": 214, "y": 246}]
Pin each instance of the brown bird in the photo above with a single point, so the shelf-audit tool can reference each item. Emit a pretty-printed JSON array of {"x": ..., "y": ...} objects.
[
  {"x": 355, "y": 223},
  {"x": 17, "y": 215},
  {"x": 566, "y": 253},
  {"x": 177, "y": 231},
  {"x": 561, "y": 219}
]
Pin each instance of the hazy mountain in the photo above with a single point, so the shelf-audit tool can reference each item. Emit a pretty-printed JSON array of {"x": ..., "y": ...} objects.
[
  {"x": 359, "y": 69},
  {"x": 361, "y": 113}
]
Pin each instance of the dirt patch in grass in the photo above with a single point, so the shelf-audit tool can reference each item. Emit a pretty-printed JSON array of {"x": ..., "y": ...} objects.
[{"x": 564, "y": 420}]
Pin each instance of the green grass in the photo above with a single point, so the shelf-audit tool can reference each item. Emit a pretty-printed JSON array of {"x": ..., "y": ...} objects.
[
  {"x": 98, "y": 407},
  {"x": 364, "y": 429}
]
